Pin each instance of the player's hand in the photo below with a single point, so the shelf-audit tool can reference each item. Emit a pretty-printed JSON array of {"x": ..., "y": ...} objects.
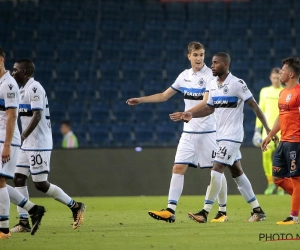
[
  {"x": 257, "y": 138},
  {"x": 176, "y": 117},
  {"x": 6, "y": 154},
  {"x": 186, "y": 116},
  {"x": 265, "y": 143},
  {"x": 275, "y": 139},
  {"x": 133, "y": 101}
]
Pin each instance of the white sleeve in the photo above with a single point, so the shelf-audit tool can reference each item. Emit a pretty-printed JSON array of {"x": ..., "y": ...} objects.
[
  {"x": 177, "y": 84},
  {"x": 242, "y": 90},
  {"x": 208, "y": 87},
  {"x": 10, "y": 95},
  {"x": 36, "y": 97}
]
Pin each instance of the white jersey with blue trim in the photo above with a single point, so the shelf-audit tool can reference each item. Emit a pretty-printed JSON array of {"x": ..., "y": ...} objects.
[
  {"x": 228, "y": 100},
  {"x": 33, "y": 97},
  {"x": 9, "y": 98},
  {"x": 193, "y": 87}
]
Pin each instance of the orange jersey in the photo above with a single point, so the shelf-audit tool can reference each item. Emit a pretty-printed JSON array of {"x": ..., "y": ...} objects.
[{"x": 289, "y": 114}]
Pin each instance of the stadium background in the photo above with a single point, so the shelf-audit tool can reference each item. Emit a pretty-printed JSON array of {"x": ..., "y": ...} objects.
[{"x": 92, "y": 55}]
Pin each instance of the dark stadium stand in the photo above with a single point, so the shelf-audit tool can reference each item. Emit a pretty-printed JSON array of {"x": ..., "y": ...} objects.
[{"x": 93, "y": 55}]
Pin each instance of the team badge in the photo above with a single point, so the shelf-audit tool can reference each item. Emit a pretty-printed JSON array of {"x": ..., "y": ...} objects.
[
  {"x": 293, "y": 155},
  {"x": 288, "y": 98},
  {"x": 201, "y": 82},
  {"x": 225, "y": 90}
]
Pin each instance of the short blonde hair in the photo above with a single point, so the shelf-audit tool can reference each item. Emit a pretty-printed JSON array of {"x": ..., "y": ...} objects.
[{"x": 195, "y": 46}]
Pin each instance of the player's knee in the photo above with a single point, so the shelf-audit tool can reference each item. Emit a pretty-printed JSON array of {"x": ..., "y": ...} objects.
[
  {"x": 42, "y": 186},
  {"x": 179, "y": 169},
  {"x": 20, "y": 180},
  {"x": 277, "y": 180}
]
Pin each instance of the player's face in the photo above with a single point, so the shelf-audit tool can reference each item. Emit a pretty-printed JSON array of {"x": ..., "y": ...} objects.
[
  {"x": 218, "y": 66},
  {"x": 17, "y": 73},
  {"x": 284, "y": 73},
  {"x": 196, "y": 58},
  {"x": 275, "y": 80}
]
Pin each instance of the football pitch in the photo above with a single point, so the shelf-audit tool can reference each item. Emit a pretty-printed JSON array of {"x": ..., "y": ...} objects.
[{"x": 123, "y": 223}]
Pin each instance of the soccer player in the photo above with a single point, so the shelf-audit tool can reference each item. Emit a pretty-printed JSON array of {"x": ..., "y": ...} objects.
[
  {"x": 36, "y": 137},
  {"x": 70, "y": 140},
  {"x": 227, "y": 95},
  {"x": 286, "y": 161},
  {"x": 9, "y": 146},
  {"x": 197, "y": 145},
  {"x": 268, "y": 99}
]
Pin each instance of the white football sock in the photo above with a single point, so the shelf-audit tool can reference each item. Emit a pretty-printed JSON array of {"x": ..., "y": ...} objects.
[
  {"x": 22, "y": 212},
  {"x": 176, "y": 187},
  {"x": 4, "y": 207},
  {"x": 58, "y": 194},
  {"x": 222, "y": 196},
  {"x": 213, "y": 189},
  {"x": 245, "y": 188}
]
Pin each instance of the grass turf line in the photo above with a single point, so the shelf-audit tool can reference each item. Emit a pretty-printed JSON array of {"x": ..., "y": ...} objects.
[{"x": 123, "y": 223}]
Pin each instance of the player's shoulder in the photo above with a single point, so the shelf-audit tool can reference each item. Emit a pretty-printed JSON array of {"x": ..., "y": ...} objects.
[
  {"x": 35, "y": 85},
  {"x": 9, "y": 81}
]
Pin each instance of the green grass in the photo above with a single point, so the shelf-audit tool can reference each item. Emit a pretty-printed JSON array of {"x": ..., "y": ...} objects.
[{"x": 123, "y": 223}]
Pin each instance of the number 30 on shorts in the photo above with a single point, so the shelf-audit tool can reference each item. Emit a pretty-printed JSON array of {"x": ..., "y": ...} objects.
[{"x": 36, "y": 160}]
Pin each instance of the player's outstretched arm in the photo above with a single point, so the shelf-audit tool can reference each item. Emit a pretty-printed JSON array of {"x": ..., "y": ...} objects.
[
  {"x": 159, "y": 97},
  {"x": 273, "y": 132},
  {"x": 258, "y": 112},
  {"x": 177, "y": 116},
  {"x": 205, "y": 111}
]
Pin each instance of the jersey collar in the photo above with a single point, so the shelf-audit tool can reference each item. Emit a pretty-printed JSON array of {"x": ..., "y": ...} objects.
[
  {"x": 227, "y": 80},
  {"x": 28, "y": 83}
]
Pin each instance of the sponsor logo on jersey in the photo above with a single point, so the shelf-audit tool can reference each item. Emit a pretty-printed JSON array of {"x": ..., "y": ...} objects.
[
  {"x": 288, "y": 97},
  {"x": 186, "y": 80},
  {"x": 245, "y": 88},
  {"x": 34, "y": 89},
  {"x": 10, "y": 86},
  {"x": 241, "y": 81},
  {"x": 11, "y": 95},
  {"x": 35, "y": 98},
  {"x": 225, "y": 102},
  {"x": 193, "y": 94}
]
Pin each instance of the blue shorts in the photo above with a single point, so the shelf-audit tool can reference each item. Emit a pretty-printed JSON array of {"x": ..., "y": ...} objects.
[{"x": 286, "y": 160}]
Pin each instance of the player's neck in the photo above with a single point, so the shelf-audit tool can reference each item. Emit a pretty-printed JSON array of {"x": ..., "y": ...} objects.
[
  {"x": 291, "y": 84},
  {"x": 23, "y": 83},
  {"x": 223, "y": 77},
  {"x": 2, "y": 72},
  {"x": 195, "y": 70}
]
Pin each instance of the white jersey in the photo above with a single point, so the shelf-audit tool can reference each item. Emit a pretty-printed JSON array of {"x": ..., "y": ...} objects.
[
  {"x": 228, "y": 100},
  {"x": 33, "y": 97},
  {"x": 9, "y": 98},
  {"x": 193, "y": 86}
]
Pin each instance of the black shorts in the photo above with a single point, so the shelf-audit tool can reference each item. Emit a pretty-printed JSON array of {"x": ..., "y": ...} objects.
[{"x": 286, "y": 160}]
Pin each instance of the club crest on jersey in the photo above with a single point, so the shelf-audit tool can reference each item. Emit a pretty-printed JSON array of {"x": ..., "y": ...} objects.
[
  {"x": 288, "y": 98},
  {"x": 225, "y": 90},
  {"x": 201, "y": 82},
  {"x": 293, "y": 155},
  {"x": 34, "y": 89}
]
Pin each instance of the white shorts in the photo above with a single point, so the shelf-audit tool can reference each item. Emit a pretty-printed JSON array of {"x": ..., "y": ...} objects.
[
  {"x": 196, "y": 149},
  {"x": 228, "y": 152},
  {"x": 36, "y": 163},
  {"x": 7, "y": 170}
]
